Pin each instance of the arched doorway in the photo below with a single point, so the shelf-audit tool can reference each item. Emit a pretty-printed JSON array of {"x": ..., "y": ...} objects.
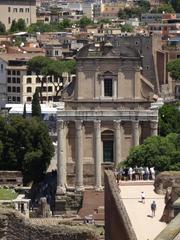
[{"x": 108, "y": 146}]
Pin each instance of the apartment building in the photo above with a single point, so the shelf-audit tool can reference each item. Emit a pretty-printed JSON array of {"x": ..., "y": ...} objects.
[
  {"x": 15, "y": 9},
  {"x": 19, "y": 84}
]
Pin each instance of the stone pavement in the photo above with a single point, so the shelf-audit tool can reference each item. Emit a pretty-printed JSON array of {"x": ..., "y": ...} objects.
[{"x": 145, "y": 227}]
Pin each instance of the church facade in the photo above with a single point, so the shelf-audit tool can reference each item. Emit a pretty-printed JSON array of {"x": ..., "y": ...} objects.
[{"x": 107, "y": 112}]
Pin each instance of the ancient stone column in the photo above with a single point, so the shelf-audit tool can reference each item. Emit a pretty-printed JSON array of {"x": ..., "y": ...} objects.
[
  {"x": 135, "y": 130},
  {"x": 79, "y": 155},
  {"x": 154, "y": 127},
  {"x": 117, "y": 140},
  {"x": 97, "y": 152},
  {"x": 61, "y": 161}
]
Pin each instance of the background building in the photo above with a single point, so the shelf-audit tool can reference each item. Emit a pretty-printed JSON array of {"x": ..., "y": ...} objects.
[{"x": 15, "y": 9}]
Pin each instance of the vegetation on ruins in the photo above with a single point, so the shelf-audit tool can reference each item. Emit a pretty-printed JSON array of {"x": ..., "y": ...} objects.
[
  {"x": 50, "y": 70},
  {"x": 7, "y": 194},
  {"x": 162, "y": 152},
  {"x": 174, "y": 68},
  {"x": 25, "y": 145},
  {"x": 127, "y": 28}
]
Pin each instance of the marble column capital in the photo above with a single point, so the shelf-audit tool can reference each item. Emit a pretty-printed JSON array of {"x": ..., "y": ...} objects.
[
  {"x": 97, "y": 123},
  {"x": 135, "y": 123},
  {"x": 154, "y": 124},
  {"x": 60, "y": 124},
  {"x": 79, "y": 124},
  {"x": 117, "y": 124}
]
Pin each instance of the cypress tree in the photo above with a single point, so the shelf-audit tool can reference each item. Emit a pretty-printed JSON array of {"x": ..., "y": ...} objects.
[
  {"x": 24, "y": 111},
  {"x": 36, "y": 107}
]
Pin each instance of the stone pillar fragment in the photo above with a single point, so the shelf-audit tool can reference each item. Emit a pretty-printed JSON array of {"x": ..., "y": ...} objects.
[
  {"x": 135, "y": 130},
  {"x": 98, "y": 154},
  {"x": 61, "y": 162},
  {"x": 117, "y": 141},
  {"x": 79, "y": 155}
]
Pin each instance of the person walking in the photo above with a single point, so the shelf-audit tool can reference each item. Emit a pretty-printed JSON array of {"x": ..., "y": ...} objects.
[
  {"x": 153, "y": 208},
  {"x": 142, "y": 197}
]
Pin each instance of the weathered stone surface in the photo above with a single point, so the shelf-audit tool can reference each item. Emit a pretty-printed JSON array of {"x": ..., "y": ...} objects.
[
  {"x": 14, "y": 226},
  {"x": 117, "y": 222},
  {"x": 165, "y": 180}
]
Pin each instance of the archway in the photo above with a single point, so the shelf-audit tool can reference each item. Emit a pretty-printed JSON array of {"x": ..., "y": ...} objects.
[{"x": 108, "y": 146}]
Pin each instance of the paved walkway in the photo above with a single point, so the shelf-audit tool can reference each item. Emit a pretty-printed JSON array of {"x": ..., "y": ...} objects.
[{"x": 145, "y": 227}]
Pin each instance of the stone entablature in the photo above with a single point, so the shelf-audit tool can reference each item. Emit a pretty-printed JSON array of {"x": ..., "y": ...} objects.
[{"x": 145, "y": 115}]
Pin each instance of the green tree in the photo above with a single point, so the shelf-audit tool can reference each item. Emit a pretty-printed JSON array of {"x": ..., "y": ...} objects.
[
  {"x": 2, "y": 28},
  {"x": 127, "y": 28},
  {"x": 50, "y": 68},
  {"x": 36, "y": 107},
  {"x": 175, "y": 4},
  {"x": 24, "y": 111},
  {"x": 161, "y": 152},
  {"x": 144, "y": 5},
  {"x": 167, "y": 8},
  {"x": 174, "y": 68},
  {"x": 26, "y": 146},
  {"x": 84, "y": 21},
  {"x": 39, "y": 65},
  {"x": 14, "y": 27},
  {"x": 21, "y": 25},
  {"x": 169, "y": 119}
]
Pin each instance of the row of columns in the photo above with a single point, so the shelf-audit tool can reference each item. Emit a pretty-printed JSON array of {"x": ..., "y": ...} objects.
[{"x": 61, "y": 154}]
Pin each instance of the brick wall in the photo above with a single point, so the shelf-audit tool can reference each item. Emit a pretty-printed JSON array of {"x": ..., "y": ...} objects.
[
  {"x": 117, "y": 222},
  {"x": 14, "y": 226}
]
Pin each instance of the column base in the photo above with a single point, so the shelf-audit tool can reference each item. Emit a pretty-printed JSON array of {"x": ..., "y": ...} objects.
[
  {"x": 98, "y": 188},
  {"x": 60, "y": 190},
  {"x": 79, "y": 188}
]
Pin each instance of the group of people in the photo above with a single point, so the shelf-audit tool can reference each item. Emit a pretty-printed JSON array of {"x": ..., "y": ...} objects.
[{"x": 136, "y": 173}]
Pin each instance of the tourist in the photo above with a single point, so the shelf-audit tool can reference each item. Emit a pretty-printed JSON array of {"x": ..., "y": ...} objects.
[
  {"x": 147, "y": 173},
  {"x": 141, "y": 173},
  {"x": 142, "y": 197},
  {"x": 130, "y": 173},
  {"x": 153, "y": 208},
  {"x": 152, "y": 171}
]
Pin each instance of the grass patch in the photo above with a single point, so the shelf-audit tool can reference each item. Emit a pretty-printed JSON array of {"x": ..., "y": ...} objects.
[{"x": 7, "y": 194}]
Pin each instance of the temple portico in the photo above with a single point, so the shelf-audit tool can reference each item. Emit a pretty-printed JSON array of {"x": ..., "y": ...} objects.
[
  {"x": 104, "y": 127},
  {"x": 107, "y": 112}
]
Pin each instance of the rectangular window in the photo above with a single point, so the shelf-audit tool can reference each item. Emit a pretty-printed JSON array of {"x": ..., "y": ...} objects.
[
  {"x": 18, "y": 89},
  {"x": 18, "y": 72},
  {"x": 9, "y": 89},
  {"x": 18, "y": 99},
  {"x": 18, "y": 80},
  {"x": 21, "y": 10},
  {"x": 14, "y": 80},
  {"x": 9, "y": 80},
  {"x": 28, "y": 80},
  {"x": 9, "y": 9},
  {"x": 50, "y": 89},
  {"x": 13, "y": 98},
  {"x": 14, "y": 89},
  {"x": 9, "y": 72},
  {"x": 108, "y": 87},
  {"x": 2, "y": 67},
  {"x": 27, "y": 10},
  {"x": 56, "y": 53},
  {"x": 13, "y": 72}
]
